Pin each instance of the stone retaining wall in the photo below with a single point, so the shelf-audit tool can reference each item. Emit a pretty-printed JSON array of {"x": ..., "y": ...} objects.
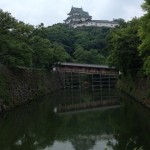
[
  {"x": 21, "y": 85},
  {"x": 138, "y": 88}
]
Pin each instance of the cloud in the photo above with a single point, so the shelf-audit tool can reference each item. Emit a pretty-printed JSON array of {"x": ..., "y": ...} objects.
[{"x": 54, "y": 11}]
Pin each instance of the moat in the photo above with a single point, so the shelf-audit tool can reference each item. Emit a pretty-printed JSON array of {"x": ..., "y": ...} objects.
[{"x": 69, "y": 120}]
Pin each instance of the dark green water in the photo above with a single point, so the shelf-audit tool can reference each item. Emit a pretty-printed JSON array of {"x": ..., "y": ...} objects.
[{"x": 36, "y": 126}]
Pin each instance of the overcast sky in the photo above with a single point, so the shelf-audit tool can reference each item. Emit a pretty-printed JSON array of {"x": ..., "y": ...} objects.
[{"x": 54, "y": 11}]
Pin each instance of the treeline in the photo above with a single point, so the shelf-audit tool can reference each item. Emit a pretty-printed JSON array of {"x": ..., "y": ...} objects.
[
  {"x": 130, "y": 45},
  {"x": 25, "y": 45},
  {"x": 127, "y": 47}
]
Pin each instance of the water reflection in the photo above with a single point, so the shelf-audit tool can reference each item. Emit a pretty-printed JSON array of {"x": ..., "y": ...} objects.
[
  {"x": 77, "y": 99},
  {"x": 37, "y": 127}
]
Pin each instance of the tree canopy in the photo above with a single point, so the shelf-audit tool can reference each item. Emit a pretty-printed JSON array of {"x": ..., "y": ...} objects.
[
  {"x": 126, "y": 47},
  {"x": 130, "y": 44}
]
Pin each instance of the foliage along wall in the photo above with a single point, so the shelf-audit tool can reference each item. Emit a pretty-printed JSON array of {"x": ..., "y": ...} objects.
[
  {"x": 138, "y": 88},
  {"x": 20, "y": 85}
]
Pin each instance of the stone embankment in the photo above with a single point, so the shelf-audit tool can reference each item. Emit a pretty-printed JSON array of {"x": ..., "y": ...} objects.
[
  {"x": 138, "y": 88},
  {"x": 21, "y": 85}
]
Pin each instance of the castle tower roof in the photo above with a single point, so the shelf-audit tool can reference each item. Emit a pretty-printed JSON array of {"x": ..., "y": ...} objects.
[{"x": 79, "y": 11}]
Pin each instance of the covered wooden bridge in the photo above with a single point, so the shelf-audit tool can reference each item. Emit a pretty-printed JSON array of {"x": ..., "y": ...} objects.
[
  {"x": 85, "y": 68},
  {"x": 99, "y": 76}
]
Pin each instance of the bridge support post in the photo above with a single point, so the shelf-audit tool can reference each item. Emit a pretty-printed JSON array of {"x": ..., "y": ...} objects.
[
  {"x": 92, "y": 83},
  {"x": 72, "y": 80},
  {"x": 100, "y": 76},
  {"x": 109, "y": 85}
]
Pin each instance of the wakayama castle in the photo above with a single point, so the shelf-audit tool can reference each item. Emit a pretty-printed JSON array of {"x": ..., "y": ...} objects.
[{"x": 79, "y": 18}]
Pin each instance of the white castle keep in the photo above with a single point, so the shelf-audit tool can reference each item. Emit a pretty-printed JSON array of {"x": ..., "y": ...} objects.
[{"x": 79, "y": 18}]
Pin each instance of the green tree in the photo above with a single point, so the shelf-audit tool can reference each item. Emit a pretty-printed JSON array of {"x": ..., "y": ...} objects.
[
  {"x": 144, "y": 31},
  {"x": 42, "y": 52},
  {"x": 13, "y": 48},
  {"x": 63, "y": 35},
  {"x": 91, "y": 57},
  {"x": 80, "y": 54},
  {"x": 7, "y": 22},
  {"x": 125, "y": 42},
  {"x": 60, "y": 55}
]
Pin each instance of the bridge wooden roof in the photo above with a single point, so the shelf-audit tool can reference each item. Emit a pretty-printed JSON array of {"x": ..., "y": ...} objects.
[{"x": 84, "y": 65}]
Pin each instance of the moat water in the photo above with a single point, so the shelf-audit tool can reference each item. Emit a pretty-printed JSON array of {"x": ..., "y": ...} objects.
[{"x": 77, "y": 120}]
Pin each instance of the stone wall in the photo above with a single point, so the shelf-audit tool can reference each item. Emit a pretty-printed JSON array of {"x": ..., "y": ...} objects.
[
  {"x": 138, "y": 88},
  {"x": 21, "y": 85}
]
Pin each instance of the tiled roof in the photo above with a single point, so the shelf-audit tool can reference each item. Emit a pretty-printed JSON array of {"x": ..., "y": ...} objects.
[
  {"x": 104, "y": 21},
  {"x": 84, "y": 65},
  {"x": 79, "y": 11}
]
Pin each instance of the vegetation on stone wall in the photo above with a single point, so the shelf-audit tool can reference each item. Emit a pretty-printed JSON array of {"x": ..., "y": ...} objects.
[
  {"x": 20, "y": 85},
  {"x": 5, "y": 97},
  {"x": 138, "y": 88}
]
